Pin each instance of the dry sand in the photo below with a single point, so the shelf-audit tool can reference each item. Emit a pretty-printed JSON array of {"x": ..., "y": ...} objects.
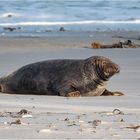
[{"x": 66, "y": 118}]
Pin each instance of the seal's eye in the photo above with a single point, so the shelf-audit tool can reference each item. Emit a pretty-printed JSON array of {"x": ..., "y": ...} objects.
[{"x": 104, "y": 63}]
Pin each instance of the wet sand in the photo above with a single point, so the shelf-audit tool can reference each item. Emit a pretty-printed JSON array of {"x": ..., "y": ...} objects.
[{"x": 69, "y": 118}]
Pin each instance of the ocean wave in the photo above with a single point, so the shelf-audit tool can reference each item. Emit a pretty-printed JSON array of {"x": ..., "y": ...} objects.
[
  {"x": 35, "y": 12},
  {"x": 30, "y": 23}
]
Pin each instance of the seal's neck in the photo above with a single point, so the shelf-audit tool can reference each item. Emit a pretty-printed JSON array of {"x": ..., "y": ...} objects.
[{"x": 94, "y": 74}]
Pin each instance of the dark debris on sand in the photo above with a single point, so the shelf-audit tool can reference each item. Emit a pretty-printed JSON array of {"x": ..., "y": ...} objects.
[{"x": 125, "y": 44}]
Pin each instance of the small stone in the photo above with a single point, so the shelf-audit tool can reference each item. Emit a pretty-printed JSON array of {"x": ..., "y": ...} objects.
[
  {"x": 23, "y": 111},
  {"x": 117, "y": 112},
  {"x": 9, "y": 15},
  {"x": 62, "y": 29},
  {"x": 18, "y": 122},
  {"x": 6, "y": 123},
  {"x": 96, "y": 122},
  {"x": 73, "y": 123},
  {"x": 44, "y": 131},
  {"x": 109, "y": 113},
  {"x": 19, "y": 28},
  {"x": 27, "y": 116},
  {"x": 9, "y": 28},
  {"x": 121, "y": 120},
  {"x": 115, "y": 135},
  {"x": 81, "y": 121},
  {"x": 66, "y": 119},
  {"x": 51, "y": 125}
]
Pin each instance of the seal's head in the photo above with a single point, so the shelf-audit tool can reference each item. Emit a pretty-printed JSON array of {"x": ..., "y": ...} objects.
[{"x": 104, "y": 67}]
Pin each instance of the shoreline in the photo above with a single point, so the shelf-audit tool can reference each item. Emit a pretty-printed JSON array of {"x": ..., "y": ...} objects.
[
  {"x": 73, "y": 35},
  {"x": 44, "y": 30}
]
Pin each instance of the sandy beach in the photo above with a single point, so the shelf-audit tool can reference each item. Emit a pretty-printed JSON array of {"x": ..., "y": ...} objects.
[{"x": 53, "y": 117}]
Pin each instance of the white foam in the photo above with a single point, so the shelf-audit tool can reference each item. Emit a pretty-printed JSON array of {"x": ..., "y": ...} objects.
[{"x": 30, "y": 23}]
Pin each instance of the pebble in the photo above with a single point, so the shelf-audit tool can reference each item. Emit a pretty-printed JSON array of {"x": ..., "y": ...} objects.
[
  {"x": 62, "y": 29},
  {"x": 23, "y": 111},
  {"x": 66, "y": 119},
  {"x": 18, "y": 122},
  {"x": 6, "y": 123},
  {"x": 96, "y": 122},
  {"x": 81, "y": 121},
  {"x": 9, "y": 28},
  {"x": 51, "y": 125},
  {"x": 117, "y": 112},
  {"x": 9, "y": 15},
  {"x": 27, "y": 116},
  {"x": 44, "y": 130}
]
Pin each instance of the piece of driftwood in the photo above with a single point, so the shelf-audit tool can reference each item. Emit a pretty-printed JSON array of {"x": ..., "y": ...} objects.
[{"x": 126, "y": 44}]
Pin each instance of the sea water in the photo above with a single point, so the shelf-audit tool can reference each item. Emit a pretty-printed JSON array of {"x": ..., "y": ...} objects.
[{"x": 72, "y": 14}]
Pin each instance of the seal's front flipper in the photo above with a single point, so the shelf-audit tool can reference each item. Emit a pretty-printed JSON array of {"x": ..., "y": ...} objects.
[
  {"x": 109, "y": 93},
  {"x": 73, "y": 94},
  {"x": 117, "y": 93}
]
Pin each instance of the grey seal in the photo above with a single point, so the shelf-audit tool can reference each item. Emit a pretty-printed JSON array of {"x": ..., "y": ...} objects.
[{"x": 63, "y": 77}]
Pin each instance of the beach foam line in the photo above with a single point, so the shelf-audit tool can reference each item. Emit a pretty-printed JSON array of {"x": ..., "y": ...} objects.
[{"x": 30, "y": 23}]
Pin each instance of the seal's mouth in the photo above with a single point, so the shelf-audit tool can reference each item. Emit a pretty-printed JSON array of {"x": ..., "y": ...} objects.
[{"x": 117, "y": 68}]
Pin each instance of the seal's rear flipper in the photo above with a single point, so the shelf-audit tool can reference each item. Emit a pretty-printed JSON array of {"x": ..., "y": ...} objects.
[{"x": 109, "y": 93}]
